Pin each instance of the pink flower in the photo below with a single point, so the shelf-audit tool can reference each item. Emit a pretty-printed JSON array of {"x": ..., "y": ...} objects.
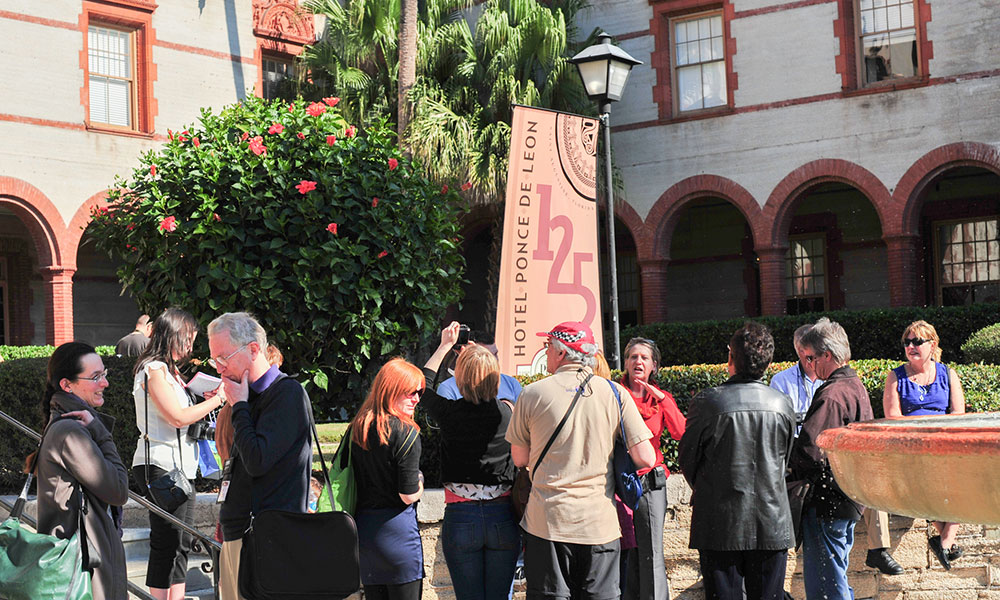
[
  {"x": 444, "y": 189},
  {"x": 466, "y": 186},
  {"x": 129, "y": 247},
  {"x": 383, "y": 254},
  {"x": 276, "y": 128},
  {"x": 331, "y": 101},
  {"x": 291, "y": 107},
  {"x": 130, "y": 226},
  {"x": 374, "y": 202},
  {"x": 315, "y": 109},
  {"x": 331, "y": 140},
  {"x": 332, "y": 228},
  {"x": 168, "y": 223},
  {"x": 350, "y": 131},
  {"x": 216, "y": 217},
  {"x": 196, "y": 142},
  {"x": 305, "y": 186},
  {"x": 300, "y": 135},
  {"x": 244, "y": 137},
  {"x": 393, "y": 163},
  {"x": 170, "y": 135},
  {"x": 152, "y": 170},
  {"x": 257, "y": 145},
  {"x": 182, "y": 136}
]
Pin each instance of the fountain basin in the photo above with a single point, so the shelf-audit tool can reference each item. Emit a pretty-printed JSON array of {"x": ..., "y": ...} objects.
[{"x": 939, "y": 467}]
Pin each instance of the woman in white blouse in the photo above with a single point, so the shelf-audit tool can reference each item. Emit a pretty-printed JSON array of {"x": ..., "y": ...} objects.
[{"x": 169, "y": 414}]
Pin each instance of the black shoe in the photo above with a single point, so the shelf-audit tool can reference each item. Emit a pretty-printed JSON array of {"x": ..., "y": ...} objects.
[
  {"x": 934, "y": 543},
  {"x": 955, "y": 553},
  {"x": 879, "y": 558}
]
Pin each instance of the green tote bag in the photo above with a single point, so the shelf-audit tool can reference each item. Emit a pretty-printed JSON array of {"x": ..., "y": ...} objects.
[
  {"x": 36, "y": 566},
  {"x": 342, "y": 484}
]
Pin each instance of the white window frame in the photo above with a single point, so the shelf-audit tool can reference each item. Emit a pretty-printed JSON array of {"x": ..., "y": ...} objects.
[
  {"x": 879, "y": 24},
  {"x": 102, "y": 75},
  {"x": 975, "y": 265}
]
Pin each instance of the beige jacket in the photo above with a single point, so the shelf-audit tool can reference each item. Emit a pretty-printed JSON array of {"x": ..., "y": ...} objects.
[{"x": 72, "y": 454}]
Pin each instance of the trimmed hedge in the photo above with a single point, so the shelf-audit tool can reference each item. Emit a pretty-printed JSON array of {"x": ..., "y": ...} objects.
[
  {"x": 984, "y": 345},
  {"x": 873, "y": 333},
  {"x": 23, "y": 381},
  {"x": 15, "y": 352}
]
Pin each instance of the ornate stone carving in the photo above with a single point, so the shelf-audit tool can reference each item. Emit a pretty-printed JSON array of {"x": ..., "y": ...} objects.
[{"x": 282, "y": 20}]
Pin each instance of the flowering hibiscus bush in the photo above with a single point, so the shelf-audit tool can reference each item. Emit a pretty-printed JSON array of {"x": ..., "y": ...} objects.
[{"x": 273, "y": 212}]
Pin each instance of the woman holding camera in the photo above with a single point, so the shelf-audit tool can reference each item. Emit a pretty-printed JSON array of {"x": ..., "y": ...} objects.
[
  {"x": 164, "y": 424},
  {"x": 480, "y": 535},
  {"x": 645, "y": 577}
]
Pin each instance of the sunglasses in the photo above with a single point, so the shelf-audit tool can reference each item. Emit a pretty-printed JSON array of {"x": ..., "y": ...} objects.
[
  {"x": 914, "y": 342},
  {"x": 417, "y": 393}
]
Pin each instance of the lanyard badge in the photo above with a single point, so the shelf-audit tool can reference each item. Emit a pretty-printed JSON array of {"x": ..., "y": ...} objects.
[{"x": 227, "y": 475}]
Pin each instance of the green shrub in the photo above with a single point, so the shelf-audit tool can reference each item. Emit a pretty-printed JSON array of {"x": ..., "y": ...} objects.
[
  {"x": 873, "y": 333},
  {"x": 984, "y": 345},
  {"x": 15, "y": 352},
  {"x": 338, "y": 243}
]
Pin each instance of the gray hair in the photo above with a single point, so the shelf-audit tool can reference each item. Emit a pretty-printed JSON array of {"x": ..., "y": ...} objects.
[
  {"x": 828, "y": 336},
  {"x": 585, "y": 358},
  {"x": 242, "y": 328},
  {"x": 800, "y": 333}
]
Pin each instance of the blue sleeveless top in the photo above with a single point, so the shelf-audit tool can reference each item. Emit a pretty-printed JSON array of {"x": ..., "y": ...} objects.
[{"x": 933, "y": 399}]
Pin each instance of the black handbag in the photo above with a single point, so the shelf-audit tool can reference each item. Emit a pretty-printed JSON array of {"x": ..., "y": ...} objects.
[
  {"x": 799, "y": 493},
  {"x": 300, "y": 556},
  {"x": 171, "y": 490}
]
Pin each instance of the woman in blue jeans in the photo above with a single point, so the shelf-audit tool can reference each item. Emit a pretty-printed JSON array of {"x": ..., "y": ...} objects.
[{"x": 480, "y": 534}]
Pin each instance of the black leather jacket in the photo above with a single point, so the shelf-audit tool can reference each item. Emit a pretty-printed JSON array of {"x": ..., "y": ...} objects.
[{"x": 734, "y": 453}]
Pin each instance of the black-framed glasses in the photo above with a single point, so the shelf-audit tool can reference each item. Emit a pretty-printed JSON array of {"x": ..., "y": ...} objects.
[
  {"x": 222, "y": 361},
  {"x": 94, "y": 378},
  {"x": 917, "y": 342}
]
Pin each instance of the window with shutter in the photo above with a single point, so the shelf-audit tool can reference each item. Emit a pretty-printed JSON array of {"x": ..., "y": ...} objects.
[{"x": 111, "y": 73}]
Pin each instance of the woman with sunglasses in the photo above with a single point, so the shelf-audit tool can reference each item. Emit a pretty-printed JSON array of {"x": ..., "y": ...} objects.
[
  {"x": 158, "y": 384},
  {"x": 644, "y": 576},
  {"x": 385, "y": 457},
  {"x": 480, "y": 535},
  {"x": 78, "y": 453},
  {"x": 925, "y": 386}
]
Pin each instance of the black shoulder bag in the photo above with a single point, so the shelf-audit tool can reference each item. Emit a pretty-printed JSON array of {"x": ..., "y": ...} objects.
[
  {"x": 291, "y": 556},
  {"x": 171, "y": 490},
  {"x": 521, "y": 491}
]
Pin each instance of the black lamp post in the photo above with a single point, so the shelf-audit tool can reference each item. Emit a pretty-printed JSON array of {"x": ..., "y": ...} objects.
[{"x": 604, "y": 70}]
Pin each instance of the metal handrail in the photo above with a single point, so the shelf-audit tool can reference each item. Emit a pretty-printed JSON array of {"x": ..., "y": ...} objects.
[{"x": 200, "y": 543}]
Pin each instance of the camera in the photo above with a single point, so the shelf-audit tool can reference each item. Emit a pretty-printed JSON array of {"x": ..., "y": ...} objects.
[
  {"x": 201, "y": 430},
  {"x": 463, "y": 335}
]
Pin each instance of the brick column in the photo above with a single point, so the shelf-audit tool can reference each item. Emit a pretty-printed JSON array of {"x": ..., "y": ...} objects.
[
  {"x": 772, "y": 280},
  {"x": 904, "y": 281},
  {"x": 58, "y": 304},
  {"x": 653, "y": 277}
]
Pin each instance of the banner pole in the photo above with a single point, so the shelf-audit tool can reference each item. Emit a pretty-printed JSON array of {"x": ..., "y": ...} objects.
[{"x": 612, "y": 259}]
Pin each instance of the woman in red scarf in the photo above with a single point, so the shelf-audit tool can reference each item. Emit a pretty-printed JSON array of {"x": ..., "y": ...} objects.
[{"x": 644, "y": 575}]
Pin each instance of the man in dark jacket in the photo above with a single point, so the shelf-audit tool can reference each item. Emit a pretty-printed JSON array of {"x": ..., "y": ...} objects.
[
  {"x": 734, "y": 453},
  {"x": 828, "y": 516}
]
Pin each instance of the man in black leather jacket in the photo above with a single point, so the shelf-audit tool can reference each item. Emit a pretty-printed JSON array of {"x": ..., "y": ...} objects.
[{"x": 734, "y": 453}]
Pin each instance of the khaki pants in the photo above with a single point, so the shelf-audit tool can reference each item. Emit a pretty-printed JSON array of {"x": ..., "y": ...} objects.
[
  {"x": 877, "y": 523},
  {"x": 229, "y": 570}
]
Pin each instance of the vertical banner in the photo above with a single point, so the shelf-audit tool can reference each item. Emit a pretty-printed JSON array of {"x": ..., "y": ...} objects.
[{"x": 549, "y": 269}]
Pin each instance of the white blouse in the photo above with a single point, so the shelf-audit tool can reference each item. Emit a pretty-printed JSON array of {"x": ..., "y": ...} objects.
[{"x": 164, "y": 451}]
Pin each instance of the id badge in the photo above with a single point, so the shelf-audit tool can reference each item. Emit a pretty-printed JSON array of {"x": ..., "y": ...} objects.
[{"x": 227, "y": 474}]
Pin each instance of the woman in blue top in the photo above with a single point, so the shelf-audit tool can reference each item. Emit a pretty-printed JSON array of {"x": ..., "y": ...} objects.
[{"x": 924, "y": 386}]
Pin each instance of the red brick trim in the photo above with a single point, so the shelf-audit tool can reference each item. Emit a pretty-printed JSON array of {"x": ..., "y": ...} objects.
[
  {"x": 41, "y": 122},
  {"x": 666, "y": 211},
  {"x": 845, "y": 30},
  {"x": 13, "y": 16},
  {"x": 633, "y": 222},
  {"x": 660, "y": 58},
  {"x": 908, "y": 197},
  {"x": 38, "y": 214},
  {"x": 266, "y": 46},
  {"x": 753, "y": 12},
  {"x": 778, "y": 210},
  {"x": 247, "y": 60},
  {"x": 141, "y": 20},
  {"x": 58, "y": 304},
  {"x": 281, "y": 29},
  {"x": 77, "y": 225}
]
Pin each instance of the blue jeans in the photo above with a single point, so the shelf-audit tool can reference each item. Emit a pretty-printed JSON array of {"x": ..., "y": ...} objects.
[
  {"x": 826, "y": 546},
  {"x": 481, "y": 542}
]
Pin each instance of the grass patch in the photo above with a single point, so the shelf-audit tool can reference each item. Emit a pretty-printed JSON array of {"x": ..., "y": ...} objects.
[{"x": 330, "y": 433}]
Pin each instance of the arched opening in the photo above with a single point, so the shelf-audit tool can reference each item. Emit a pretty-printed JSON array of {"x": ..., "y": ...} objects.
[
  {"x": 713, "y": 271},
  {"x": 102, "y": 311},
  {"x": 22, "y": 289},
  {"x": 478, "y": 309},
  {"x": 960, "y": 237},
  {"x": 836, "y": 258},
  {"x": 629, "y": 290}
]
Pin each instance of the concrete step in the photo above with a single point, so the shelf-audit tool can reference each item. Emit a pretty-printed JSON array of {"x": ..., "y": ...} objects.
[{"x": 136, "y": 542}]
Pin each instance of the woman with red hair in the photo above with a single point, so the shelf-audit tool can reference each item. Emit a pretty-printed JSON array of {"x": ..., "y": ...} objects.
[{"x": 385, "y": 456}]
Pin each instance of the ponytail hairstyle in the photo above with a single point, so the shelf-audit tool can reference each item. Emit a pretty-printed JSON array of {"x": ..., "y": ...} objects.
[
  {"x": 395, "y": 379},
  {"x": 66, "y": 362},
  {"x": 173, "y": 332}
]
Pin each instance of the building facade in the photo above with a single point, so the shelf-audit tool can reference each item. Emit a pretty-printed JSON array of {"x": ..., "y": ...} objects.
[
  {"x": 782, "y": 157},
  {"x": 89, "y": 86}
]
